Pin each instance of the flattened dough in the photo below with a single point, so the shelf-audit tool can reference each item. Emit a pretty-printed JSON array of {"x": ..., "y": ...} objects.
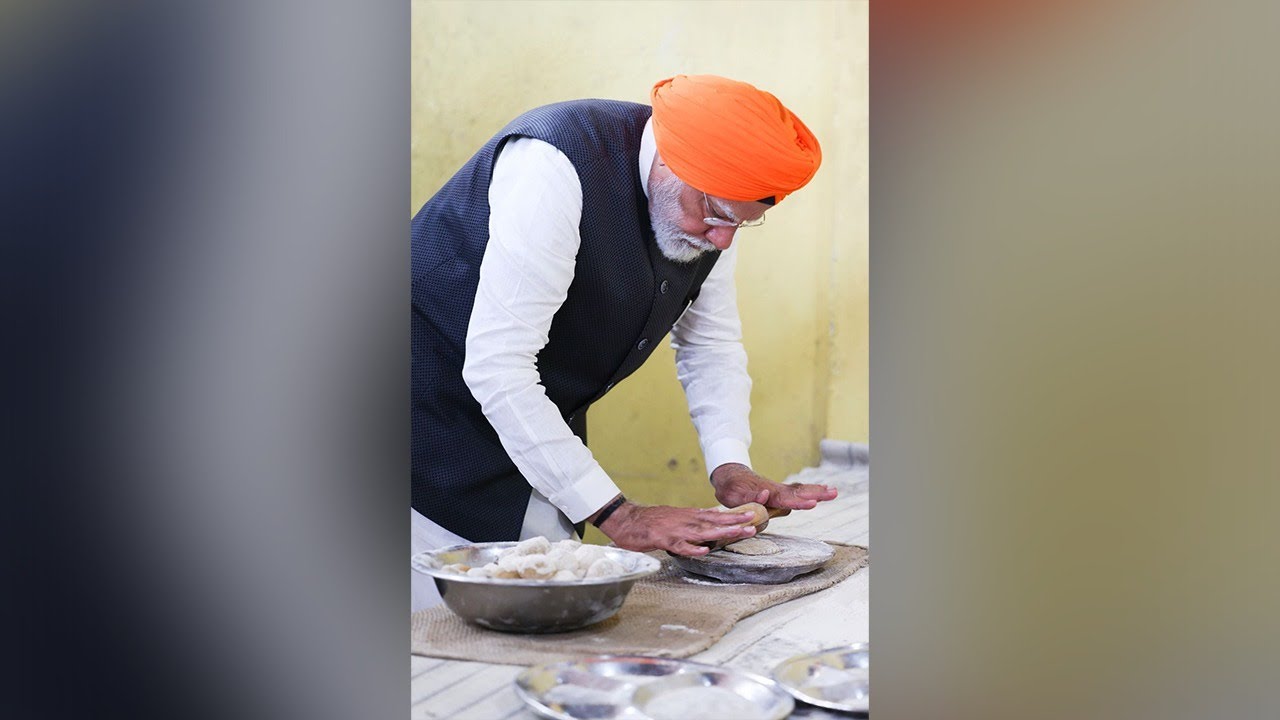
[{"x": 753, "y": 546}]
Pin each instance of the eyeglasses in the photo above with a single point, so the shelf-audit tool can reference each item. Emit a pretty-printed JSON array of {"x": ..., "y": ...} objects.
[{"x": 713, "y": 220}]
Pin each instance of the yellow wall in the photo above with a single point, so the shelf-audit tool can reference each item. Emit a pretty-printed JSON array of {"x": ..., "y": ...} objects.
[{"x": 802, "y": 277}]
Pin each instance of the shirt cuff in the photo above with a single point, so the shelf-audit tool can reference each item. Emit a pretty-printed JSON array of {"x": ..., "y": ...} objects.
[
  {"x": 584, "y": 497},
  {"x": 724, "y": 451}
]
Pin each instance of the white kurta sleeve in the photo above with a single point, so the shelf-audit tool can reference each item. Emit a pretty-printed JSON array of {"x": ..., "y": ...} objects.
[
  {"x": 712, "y": 367},
  {"x": 535, "y": 201}
]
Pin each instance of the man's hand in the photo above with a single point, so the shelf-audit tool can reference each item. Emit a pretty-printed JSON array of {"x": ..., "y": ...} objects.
[
  {"x": 736, "y": 484},
  {"x": 678, "y": 530}
]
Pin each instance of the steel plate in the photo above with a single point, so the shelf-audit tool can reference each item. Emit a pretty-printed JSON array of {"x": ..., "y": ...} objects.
[
  {"x": 835, "y": 678},
  {"x": 630, "y": 687}
]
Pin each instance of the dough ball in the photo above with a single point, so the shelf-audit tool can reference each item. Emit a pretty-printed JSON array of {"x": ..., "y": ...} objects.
[
  {"x": 588, "y": 554},
  {"x": 536, "y": 567},
  {"x": 540, "y": 559},
  {"x": 562, "y": 560},
  {"x": 510, "y": 562},
  {"x": 605, "y": 567},
  {"x": 565, "y": 546},
  {"x": 460, "y": 568},
  {"x": 532, "y": 546}
]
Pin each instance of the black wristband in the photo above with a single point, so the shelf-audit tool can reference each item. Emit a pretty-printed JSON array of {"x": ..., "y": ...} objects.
[{"x": 609, "y": 510}]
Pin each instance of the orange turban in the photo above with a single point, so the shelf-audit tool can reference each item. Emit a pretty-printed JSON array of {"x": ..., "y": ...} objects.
[{"x": 728, "y": 139}]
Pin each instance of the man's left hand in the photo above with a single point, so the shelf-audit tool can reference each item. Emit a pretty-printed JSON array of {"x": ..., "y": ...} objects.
[{"x": 737, "y": 484}]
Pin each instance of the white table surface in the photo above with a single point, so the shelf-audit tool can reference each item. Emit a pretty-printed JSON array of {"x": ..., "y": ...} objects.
[{"x": 828, "y": 618}]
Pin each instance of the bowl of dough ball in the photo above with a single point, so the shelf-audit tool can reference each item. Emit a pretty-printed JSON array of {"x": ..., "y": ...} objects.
[{"x": 535, "y": 585}]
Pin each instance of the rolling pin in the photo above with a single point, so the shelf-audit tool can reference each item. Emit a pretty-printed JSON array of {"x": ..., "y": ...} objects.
[{"x": 761, "y": 520}]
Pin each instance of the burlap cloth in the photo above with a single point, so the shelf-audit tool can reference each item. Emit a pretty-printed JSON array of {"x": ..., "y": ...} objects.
[{"x": 669, "y": 614}]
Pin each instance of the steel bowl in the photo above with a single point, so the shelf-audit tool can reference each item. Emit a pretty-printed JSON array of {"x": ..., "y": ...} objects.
[{"x": 529, "y": 606}]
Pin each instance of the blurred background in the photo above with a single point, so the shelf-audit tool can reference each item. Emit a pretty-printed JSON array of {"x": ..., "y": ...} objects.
[
  {"x": 1075, "y": 343},
  {"x": 801, "y": 278},
  {"x": 1077, "y": 404}
]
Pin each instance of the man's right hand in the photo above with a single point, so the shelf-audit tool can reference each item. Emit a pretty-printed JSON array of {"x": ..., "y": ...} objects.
[{"x": 675, "y": 529}]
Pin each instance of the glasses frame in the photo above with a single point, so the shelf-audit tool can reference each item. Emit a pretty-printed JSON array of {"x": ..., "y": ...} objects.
[{"x": 714, "y": 221}]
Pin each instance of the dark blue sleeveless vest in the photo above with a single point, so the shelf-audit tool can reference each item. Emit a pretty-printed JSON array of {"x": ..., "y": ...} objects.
[{"x": 624, "y": 298}]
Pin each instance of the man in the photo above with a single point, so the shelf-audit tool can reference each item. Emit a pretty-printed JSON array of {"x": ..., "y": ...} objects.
[{"x": 547, "y": 270}]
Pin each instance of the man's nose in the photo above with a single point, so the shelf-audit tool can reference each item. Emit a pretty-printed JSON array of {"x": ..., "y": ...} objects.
[{"x": 721, "y": 237}]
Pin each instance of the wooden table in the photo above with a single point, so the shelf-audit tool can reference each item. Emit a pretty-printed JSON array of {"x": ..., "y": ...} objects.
[{"x": 828, "y": 618}]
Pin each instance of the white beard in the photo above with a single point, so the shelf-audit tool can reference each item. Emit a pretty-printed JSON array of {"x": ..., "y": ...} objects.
[{"x": 664, "y": 211}]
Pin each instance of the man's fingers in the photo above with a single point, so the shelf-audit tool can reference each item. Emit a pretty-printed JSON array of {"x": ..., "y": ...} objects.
[
  {"x": 805, "y": 497},
  {"x": 728, "y": 531},
  {"x": 813, "y": 492},
  {"x": 724, "y": 518},
  {"x": 680, "y": 547}
]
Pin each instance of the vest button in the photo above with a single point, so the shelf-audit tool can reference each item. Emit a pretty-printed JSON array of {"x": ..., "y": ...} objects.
[
  {"x": 644, "y": 343},
  {"x": 664, "y": 287}
]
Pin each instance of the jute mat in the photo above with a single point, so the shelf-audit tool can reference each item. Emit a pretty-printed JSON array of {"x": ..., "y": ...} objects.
[{"x": 669, "y": 614}]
